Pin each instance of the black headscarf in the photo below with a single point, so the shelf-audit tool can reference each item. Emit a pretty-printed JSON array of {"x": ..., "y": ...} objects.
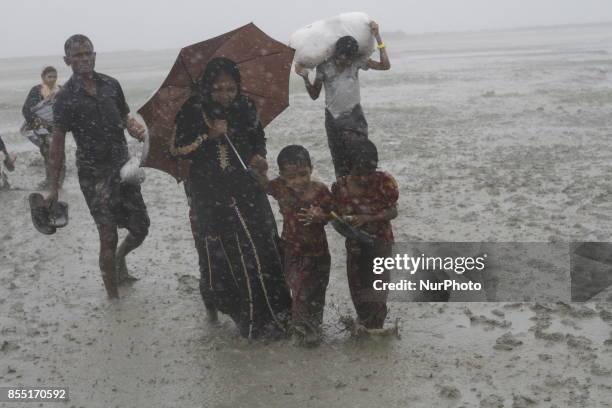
[
  {"x": 241, "y": 114},
  {"x": 214, "y": 68}
]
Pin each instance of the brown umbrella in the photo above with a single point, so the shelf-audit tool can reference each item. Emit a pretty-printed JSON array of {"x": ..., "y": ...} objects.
[{"x": 264, "y": 63}]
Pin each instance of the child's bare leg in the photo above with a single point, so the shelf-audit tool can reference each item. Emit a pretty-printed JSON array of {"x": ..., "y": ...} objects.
[
  {"x": 138, "y": 227},
  {"x": 108, "y": 244},
  {"x": 315, "y": 301},
  {"x": 370, "y": 305}
]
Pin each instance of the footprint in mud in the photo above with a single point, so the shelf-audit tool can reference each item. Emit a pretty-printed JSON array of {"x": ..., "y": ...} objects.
[
  {"x": 488, "y": 323},
  {"x": 570, "y": 323},
  {"x": 600, "y": 371},
  {"x": 544, "y": 357},
  {"x": 579, "y": 342},
  {"x": 580, "y": 312},
  {"x": 492, "y": 401},
  {"x": 507, "y": 342},
  {"x": 552, "y": 337},
  {"x": 188, "y": 284},
  {"x": 17, "y": 311},
  {"x": 8, "y": 346},
  {"x": 605, "y": 315},
  {"x": 521, "y": 401},
  {"x": 448, "y": 391}
]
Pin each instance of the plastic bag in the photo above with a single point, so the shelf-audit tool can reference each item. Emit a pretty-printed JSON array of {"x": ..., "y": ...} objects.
[
  {"x": 316, "y": 42},
  {"x": 132, "y": 173},
  {"x": 44, "y": 110}
]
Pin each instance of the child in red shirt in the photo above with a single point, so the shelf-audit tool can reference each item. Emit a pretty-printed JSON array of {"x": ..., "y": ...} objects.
[
  {"x": 367, "y": 198},
  {"x": 305, "y": 205}
]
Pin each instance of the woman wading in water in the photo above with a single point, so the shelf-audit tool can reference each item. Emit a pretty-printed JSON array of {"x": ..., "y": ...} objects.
[{"x": 233, "y": 223}]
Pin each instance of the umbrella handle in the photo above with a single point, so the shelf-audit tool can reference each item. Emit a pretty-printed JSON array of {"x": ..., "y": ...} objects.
[{"x": 244, "y": 166}]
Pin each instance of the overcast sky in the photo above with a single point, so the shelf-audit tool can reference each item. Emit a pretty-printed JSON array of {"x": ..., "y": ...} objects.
[{"x": 40, "y": 27}]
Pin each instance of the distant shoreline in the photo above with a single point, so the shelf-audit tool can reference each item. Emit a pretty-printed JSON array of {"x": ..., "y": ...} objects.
[
  {"x": 403, "y": 34},
  {"x": 391, "y": 34}
]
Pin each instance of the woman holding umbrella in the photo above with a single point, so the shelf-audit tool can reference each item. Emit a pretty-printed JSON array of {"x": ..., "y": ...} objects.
[{"x": 219, "y": 131}]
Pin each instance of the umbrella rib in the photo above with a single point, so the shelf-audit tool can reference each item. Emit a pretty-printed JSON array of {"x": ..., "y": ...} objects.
[
  {"x": 185, "y": 68},
  {"x": 185, "y": 65},
  {"x": 255, "y": 94},
  {"x": 258, "y": 56},
  {"x": 177, "y": 165},
  {"x": 252, "y": 58}
]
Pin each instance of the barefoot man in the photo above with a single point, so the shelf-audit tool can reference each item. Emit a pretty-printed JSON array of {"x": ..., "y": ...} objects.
[{"x": 92, "y": 106}]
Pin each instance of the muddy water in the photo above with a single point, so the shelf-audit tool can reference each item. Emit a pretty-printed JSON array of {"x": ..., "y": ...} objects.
[{"x": 492, "y": 137}]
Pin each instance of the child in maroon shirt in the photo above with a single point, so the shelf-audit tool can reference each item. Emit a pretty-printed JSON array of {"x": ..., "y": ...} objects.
[
  {"x": 305, "y": 206},
  {"x": 367, "y": 198}
]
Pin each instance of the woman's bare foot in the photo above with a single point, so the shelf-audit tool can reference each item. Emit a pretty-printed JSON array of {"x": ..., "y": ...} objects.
[
  {"x": 212, "y": 314},
  {"x": 312, "y": 338}
]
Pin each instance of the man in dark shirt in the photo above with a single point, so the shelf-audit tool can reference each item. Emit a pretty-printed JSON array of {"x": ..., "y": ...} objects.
[{"x": 92, "y": 106}]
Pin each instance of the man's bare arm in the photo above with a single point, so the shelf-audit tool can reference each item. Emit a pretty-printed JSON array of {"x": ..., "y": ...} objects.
[
  {"x": 384, "y": 63},
  {"x": 314, "y": 90},
  {"x": 360, "y": 219},
  {"x": 134, "y": 128},
  {"x": 386, "y": 215}
]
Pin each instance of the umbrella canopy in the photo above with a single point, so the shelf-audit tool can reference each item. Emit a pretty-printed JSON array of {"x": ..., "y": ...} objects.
[{"x": 264, "y": 63}]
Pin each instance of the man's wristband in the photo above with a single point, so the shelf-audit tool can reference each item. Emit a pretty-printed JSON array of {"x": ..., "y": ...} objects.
[{"x": 381, "y": 46}]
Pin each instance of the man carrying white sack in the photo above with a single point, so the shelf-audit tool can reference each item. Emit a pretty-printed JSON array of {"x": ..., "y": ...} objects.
[{"x": 344, "y": 119}]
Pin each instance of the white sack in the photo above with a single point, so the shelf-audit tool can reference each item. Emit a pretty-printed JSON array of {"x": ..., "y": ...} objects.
[
  {"x": 315, "y": 43},
  {"x": 131, "y": 172}
]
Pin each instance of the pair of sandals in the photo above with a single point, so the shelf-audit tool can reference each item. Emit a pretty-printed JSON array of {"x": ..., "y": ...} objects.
[{"x": 47, "y": 219}]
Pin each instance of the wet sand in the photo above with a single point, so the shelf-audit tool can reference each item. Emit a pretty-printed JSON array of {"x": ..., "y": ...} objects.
[{"x": 490, "y": 141}]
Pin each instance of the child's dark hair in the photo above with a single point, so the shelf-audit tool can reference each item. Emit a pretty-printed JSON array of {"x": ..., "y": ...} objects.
[
  {"x": 363, "y": 153},
  {"x": 347, "y": 46},
  {"x": 48, "y": 70},
  {"x": 293, "y": 154}
]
